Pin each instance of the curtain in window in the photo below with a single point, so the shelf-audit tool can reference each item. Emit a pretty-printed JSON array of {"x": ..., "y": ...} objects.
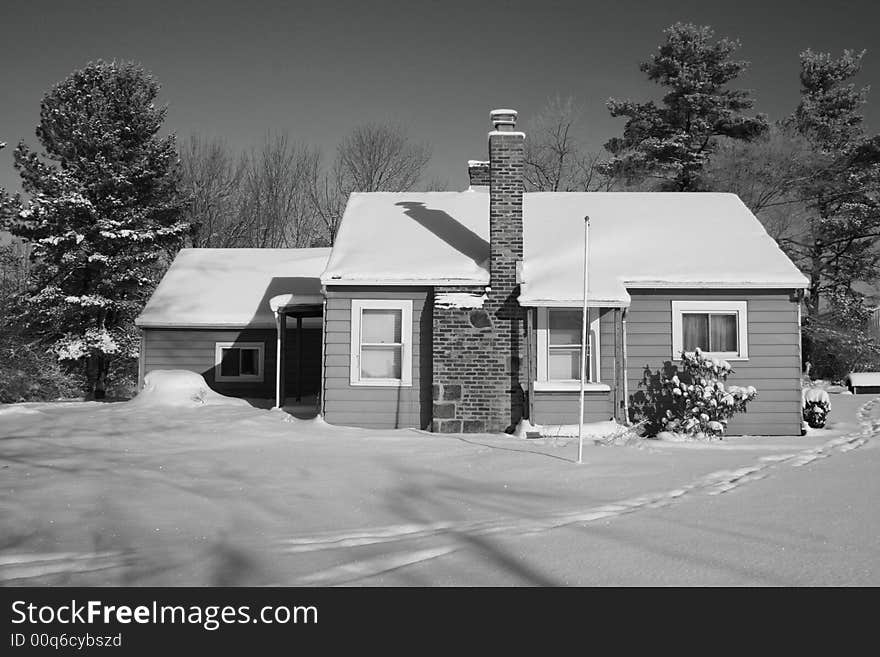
[
  {"x": 723, "y": 333},
  {"x": 709, "y": 332},
  {"x": 695, "y": 331}
]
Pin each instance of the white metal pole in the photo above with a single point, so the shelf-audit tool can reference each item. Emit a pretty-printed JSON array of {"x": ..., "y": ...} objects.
[
  {"x": 584, "y": 323},
  {"x": 278, "y": 347},
  {"x": 626, "y": 419}
]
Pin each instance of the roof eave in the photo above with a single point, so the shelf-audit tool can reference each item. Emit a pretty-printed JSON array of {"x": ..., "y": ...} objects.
[
  {"x": 471, "y": 282},
  {"x": 724, "y": 285},
  {"x": 573, "y": 303}
]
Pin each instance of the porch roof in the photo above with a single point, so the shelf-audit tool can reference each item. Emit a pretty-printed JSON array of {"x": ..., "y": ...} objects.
[{"x": 231, "y": 288}]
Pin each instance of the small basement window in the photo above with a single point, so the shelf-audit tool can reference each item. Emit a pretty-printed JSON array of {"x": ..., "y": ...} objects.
[
  {"x": 238, "y": 361},
  {"x": 718, "y": 328},
  {"x": 381, "y": 343}
]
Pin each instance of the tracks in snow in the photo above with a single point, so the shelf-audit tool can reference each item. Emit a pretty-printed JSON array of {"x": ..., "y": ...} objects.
[
  {"x": 444, "y": 535},
  {"x": 19, "y": 568},
  {"x": 420, "y": 542}
]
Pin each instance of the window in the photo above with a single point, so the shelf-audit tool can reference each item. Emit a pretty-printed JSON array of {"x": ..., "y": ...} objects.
[
  {"x": 559, "y": 348},
  {"x": 564, "y": 345},
  {"x": 238, "y": 361},
  {"x": 719, "y": 328},
  {"x": 381, "y": 336}
]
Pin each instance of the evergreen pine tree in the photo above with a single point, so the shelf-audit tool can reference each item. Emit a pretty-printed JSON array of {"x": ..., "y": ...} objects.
[
  {"x": 672, "y": 141},
  {"x": 102, "y": 214},
  {"x": 838, "y": 245}
]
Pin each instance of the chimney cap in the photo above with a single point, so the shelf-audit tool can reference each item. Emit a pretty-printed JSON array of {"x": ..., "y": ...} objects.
[{"x": 503, "y": 119}]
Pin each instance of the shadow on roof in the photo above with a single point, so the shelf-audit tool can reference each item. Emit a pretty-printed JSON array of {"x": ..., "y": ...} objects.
[
  {"x": 448, "y": 229},
  {"x": 296, "y": 285}
]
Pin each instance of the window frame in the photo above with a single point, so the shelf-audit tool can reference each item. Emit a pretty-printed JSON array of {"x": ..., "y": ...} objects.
[
  {"x": 246, "y": 378},
  {"x": 406, "y": 337},
  {"x": 594, "y": 380},
  {"x": 738, "y": 308}
]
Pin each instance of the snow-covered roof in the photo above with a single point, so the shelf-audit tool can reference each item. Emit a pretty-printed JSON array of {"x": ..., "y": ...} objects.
[
  {"x": 636, "y": 240},
  {"x": 645, "y": 240},
  {"x": 232, "y": 288},
  {"x": 857, "y": 379},
  {"x": 416, "y": 238}
]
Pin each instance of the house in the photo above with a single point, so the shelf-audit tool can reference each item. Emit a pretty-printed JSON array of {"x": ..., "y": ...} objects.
[{"x": 461, "y": 311}]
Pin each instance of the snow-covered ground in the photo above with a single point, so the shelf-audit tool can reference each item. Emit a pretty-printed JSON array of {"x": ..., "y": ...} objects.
[{"x": 147, "y": 493}]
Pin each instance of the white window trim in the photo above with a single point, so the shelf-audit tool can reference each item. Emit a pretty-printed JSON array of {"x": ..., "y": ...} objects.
[
  {"x": 742, "y": 324},
  {"x": 543, "y": 383},
  {"x": 247, "y": 378},
  {"x": 405, "y": 306}
]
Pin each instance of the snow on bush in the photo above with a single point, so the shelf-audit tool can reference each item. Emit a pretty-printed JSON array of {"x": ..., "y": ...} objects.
[
  {"x": 697, "y": 402},
  {"x": 815, "y": 405},
  {"x": 180, "y": 388}
]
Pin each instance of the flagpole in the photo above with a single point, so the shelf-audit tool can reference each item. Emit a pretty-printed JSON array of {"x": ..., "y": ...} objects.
[{"x": 584, "y": 341}]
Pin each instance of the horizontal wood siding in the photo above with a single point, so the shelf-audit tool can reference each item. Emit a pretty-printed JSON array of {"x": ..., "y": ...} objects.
[
  {"x": 193, "y": 350},
  {"x": 562, "y": 407},
  {"x": 375, "y": 407},
  {"x": 773, "y": 366}
]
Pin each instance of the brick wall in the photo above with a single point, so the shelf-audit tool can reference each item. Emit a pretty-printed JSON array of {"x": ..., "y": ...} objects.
[
  {"x": 478, "y": 173},
  {"x": 479, "y": 354}
]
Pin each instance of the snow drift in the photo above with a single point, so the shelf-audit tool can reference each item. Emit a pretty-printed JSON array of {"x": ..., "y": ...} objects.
[
  {"x": 17, "y": 409},
  {"x": 604, "y": 432},
  {"x": 181, "y": 388}
]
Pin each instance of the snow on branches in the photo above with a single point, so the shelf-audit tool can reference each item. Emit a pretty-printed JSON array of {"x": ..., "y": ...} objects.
[{"x": 102, "y": 215}]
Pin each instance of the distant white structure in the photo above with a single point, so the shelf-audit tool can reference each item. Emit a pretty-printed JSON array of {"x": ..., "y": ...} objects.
[{"x": 875, "y": 321}]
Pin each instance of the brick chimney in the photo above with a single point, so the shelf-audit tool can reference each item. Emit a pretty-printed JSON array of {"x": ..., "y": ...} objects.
[
  {"x": 479, "y": 368},
  {"x": 478, "y": 175},
  {"x": 506, "y": 158}
]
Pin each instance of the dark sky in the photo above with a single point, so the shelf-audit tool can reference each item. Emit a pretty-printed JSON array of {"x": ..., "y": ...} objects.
[{"x": 313, "y": 69}]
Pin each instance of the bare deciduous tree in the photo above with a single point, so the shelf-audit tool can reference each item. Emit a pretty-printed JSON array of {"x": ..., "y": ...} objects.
[
  {"x": 280, "y": 195},
  {"x": 262, "y": 199},
  {"x": 554, "y": 160},
  {"x": 380, "y": 158},
  {"x": 212, "y": 179},
  {"x": 766, "y": 174},
  {"x": 276, "y": 209},
  {"x": 372, "y": 158},
  {"x": 328, "y": 199}
]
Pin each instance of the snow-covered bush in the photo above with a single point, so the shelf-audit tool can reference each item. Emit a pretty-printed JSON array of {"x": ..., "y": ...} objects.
[
  {"x": 816, "y": 404},
  {"x": 694, "y": 399}
]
